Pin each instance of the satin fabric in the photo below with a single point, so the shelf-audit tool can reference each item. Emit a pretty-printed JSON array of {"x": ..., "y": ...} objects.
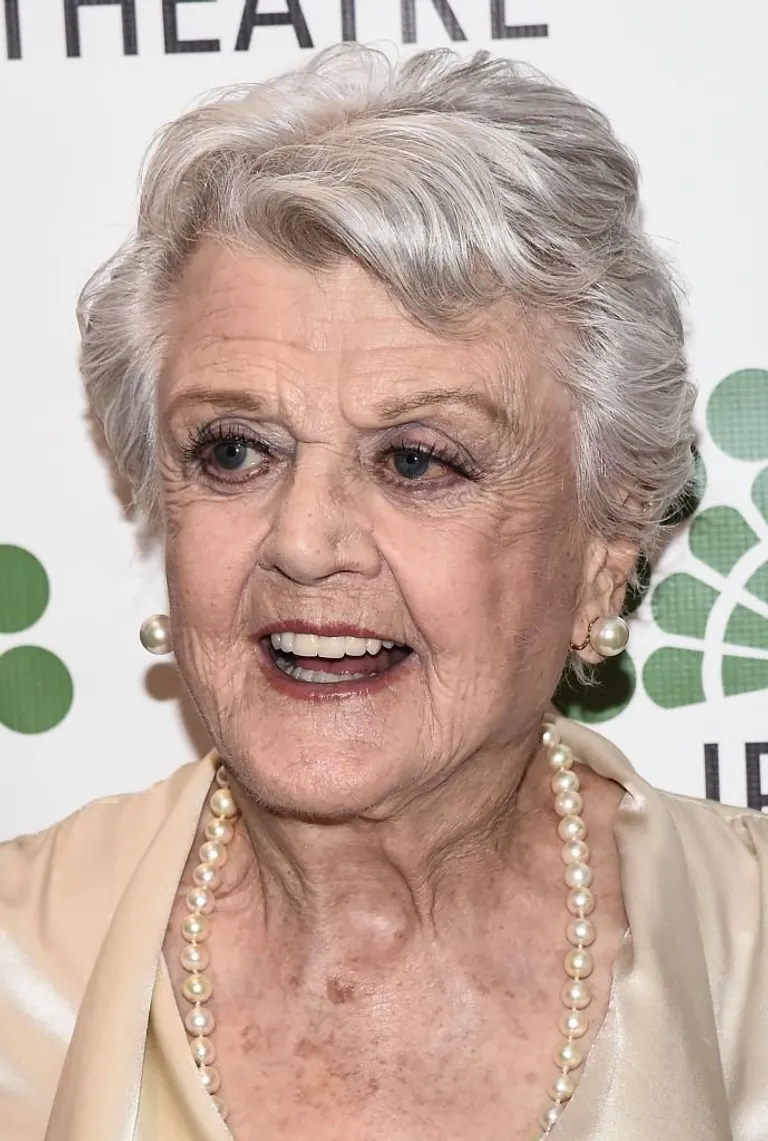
[{"x": 92, "y": 1047}]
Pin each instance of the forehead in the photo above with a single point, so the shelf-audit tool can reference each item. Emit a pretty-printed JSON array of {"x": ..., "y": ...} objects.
[{"x": 252, "y": 319}]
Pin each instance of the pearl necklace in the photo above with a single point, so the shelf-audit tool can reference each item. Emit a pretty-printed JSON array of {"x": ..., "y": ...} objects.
[{"x": 580, "y": 932}]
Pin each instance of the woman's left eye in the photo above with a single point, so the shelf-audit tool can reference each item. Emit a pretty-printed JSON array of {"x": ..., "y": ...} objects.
[
  {"x": 234, "y": 455},
  {"x": 415, "y": 463},
  {"x": 411, "y": 463}
]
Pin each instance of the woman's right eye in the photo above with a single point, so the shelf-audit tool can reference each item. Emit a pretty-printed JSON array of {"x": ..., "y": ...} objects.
[
  {"x": 233, "y": 455},
  {"x": 232, "y": 458}
]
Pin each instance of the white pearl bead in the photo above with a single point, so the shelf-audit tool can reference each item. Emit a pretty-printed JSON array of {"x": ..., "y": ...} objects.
[
  {"x": 572, "y": 828},
  {"x": 579, "y": 963},
  {"x": 195, "y": 928},
  {"x": 573, "y": 1024},
  {"x": 566, "y": 780},
  {"x": 568, "y": 803},
  {"x": 578, "y": 875},
  {"x": 155, "y": 634},
  {"x": 580, "y": 901},
  {"x": 209, "y": 1077},
  {"x": 222, "y": 804},
  {"x": 569, "y": 1056},
  {"x": 562, "y": 1088},
  {"x": 194, "y": 958},
  {"x": 220, "y": 830},
  {"x": 199, "y": 1020},
  {"x": 222, "y": 779},
  {"x": 206, "y": 876},
  {"x": 576, "y": 995},
  {"x": 575, "y": 852},
  {"x": 559, "y": 757},
  {"x": 203, "y": 1051},
  {"x": 549, "y": 735},
  {"x": 213, "y": 852},
  {"x": 200, "y": 899},
  {"x": 221, "y": 1106},
  {"x": 581, "y": 932},
  {"x": 197, "y": 988},
  {"x": 609, "y": 636},
  {"x": 548, "y": 1117}
]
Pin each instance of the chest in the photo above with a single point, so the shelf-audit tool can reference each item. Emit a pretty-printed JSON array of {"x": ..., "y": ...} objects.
[{"x": 433, "y": 1062}]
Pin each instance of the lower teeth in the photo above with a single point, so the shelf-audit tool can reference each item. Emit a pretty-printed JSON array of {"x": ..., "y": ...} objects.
[{"x": 315, "y": 675}]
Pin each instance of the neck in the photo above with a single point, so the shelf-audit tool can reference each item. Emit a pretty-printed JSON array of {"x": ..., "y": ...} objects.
[{"x": 368, "y": 887}]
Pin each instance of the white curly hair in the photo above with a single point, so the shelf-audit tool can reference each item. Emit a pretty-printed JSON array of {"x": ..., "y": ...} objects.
[{"x": 458, "y": 183}]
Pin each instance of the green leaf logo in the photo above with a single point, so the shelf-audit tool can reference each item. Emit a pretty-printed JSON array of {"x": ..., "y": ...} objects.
[
  {"x": 717, "y": 619},
  {"x": 36, "y": 688}
]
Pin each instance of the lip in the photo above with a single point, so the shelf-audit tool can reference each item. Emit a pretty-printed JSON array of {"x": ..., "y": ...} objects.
[
  {"x": 324, "y": 630},
  {"x": 319, "y": 691}
]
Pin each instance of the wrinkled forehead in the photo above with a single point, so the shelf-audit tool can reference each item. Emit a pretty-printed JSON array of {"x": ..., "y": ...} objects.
[{"x": 253, "y": 320}]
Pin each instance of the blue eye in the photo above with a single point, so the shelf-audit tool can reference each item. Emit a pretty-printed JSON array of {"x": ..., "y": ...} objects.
[
  {"x": 232, "y": 455},
  {"x": 411, "y": 463}
]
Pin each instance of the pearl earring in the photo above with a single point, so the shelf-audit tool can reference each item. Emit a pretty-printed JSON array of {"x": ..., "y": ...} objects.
[
  {"x": 607, "y": 636},
  {"x": 155, "y": 634}
]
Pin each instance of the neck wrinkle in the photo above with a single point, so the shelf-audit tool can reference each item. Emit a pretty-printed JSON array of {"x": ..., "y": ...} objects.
[{"x": 373, "y": 886}]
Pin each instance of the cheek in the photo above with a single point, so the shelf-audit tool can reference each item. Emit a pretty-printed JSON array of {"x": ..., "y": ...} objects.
[
  {"x": 209, "y": 559},
  {"x": 488, "y": 588}
]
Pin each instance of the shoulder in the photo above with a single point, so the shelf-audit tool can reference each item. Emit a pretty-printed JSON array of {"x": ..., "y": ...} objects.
[
  {"x": 725, "y": 850},
  {"x": 712, "y": 832},
  {"x": 63, "y": 883},
  {"x": 58, "y": 891}
]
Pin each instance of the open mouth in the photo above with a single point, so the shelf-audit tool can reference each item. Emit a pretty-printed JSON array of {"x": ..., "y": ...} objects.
[{"x": 332, "y": 660}]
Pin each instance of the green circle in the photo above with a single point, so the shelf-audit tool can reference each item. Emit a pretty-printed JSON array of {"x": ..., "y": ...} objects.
[
  {"x": 737, "y": 414},
  {"x": 35, "y": 689},
  {"x": 24, "y": 589},
  {"x": 610, "y": 693}
]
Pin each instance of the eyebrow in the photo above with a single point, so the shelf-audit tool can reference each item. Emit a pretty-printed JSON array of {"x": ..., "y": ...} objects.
[
  {"x": 392, "y": 410},
  {"x": 239, "y": 400},
  {"x": 399, "y": 406}
]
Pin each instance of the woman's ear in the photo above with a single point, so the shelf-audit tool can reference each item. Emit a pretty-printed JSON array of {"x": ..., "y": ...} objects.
[{"x": 606, "y": 574}]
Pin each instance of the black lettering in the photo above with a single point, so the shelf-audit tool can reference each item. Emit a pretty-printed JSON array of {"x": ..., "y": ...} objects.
[
  {"x": 754, "y": 750},
  {"x": 12, "y": 30},
  {"x": 171, "y": 32},
  {"x": 501, "y": 30},
  {"x": 72, "y": 23},
  {"x": 444, "y": 11},
  {"x": 252, "y": 20},
  {"x": 348, "y": 21},
  {"x": 712, "y": 772}
]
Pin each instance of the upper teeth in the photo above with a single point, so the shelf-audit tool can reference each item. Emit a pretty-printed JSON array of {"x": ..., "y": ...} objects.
[{"x": 315, "y": 646}]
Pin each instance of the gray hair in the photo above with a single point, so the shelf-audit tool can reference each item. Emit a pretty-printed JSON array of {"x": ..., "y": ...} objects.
[{"x": 457, "y": 182}]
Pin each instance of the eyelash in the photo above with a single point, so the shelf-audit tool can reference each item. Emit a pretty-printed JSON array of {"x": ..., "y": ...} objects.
[{"x": 205, "y": 437}]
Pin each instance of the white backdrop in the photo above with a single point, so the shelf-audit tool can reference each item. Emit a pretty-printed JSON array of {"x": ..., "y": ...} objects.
[{"x": 686, "y": 85}]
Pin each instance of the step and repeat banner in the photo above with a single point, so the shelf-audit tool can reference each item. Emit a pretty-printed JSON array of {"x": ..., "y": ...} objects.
[{"x": 85, "y": 83}]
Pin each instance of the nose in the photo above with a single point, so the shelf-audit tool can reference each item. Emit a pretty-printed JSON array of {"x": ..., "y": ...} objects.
[{"x": 318, "y": 526}]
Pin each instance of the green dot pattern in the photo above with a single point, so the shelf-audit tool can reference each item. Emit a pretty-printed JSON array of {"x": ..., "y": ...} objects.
[
  {"x": 746, "y": 628},
  {"x": 737, "y": 414},
  {"x": 720, "y": 536},
  {"x": 760, "y": 492},
  {"x": 673, "y": 677},
  {"x": 681, "y": 604},
  {"x": 744, "y": 675},
  {"x": 758, "y": 583},
  {"x": 24, "y": 589},
  {"x": 36, "y": 689}
]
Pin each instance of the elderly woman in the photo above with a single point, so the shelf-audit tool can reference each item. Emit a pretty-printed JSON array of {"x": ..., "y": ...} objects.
[{"x": 399, "y": 380}]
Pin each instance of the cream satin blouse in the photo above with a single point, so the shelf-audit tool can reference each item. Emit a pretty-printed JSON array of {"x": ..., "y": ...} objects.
[{"x": 92, "y": 1047}]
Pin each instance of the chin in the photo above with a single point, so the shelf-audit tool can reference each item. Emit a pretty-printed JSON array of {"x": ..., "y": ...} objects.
[
  {"x": 323, "y": 785},
  {"x": 326, "y": 791}
]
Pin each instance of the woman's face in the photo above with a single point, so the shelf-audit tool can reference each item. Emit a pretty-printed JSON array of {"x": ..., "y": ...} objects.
[{"x": 332, "y": 471}]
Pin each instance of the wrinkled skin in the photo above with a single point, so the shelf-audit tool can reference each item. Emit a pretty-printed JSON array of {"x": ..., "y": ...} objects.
[{"x": 394, "y": 840}]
